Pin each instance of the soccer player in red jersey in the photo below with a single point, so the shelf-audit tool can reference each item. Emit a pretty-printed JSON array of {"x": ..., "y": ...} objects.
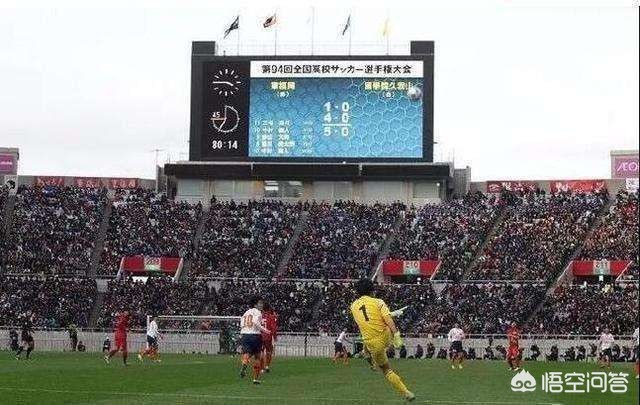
[
  {"x": 270, "y": 321},
  {"x": 122, "y": 323},
  {"x": 514, "y": 359}
]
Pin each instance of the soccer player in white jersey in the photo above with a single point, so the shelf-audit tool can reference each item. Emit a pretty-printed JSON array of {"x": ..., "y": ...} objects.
[
  {"x": 153, "y": 334},
  {"x": 251, "y": 331},
  {"x": 340, "y": 349},
  {"x": 636, "y": 337},
  {"x": 605, "y": 342},
  {"x": 455, "y": 337}
]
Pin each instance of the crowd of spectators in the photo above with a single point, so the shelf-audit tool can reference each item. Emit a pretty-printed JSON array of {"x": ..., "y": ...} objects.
[
  {"x": 49, "y": 302},
  {"x": 538, "y": 236},
  {"x": 334, "y": 315},
  {"x": 156, "y": 296},
  {"x": 617, "y": 237},
  {"x": 245, "y": 239},
  {"x": 342, "y": 240},
  {"x": 54, "y": 229},
  {"x": 292, "y": 301},
  {"x": 587, "y": 309},
  {"x": 4, "y": 193},
  {"x": 451, "y": 232},
  {"x": 144, "y": 222}
]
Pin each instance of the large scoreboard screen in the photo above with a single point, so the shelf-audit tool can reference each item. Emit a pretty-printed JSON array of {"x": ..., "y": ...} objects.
[{"x": 313, "y": 109}]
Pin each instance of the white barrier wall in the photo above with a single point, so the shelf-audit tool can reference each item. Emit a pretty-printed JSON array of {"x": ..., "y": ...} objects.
[{"x": 287, "y": 345}]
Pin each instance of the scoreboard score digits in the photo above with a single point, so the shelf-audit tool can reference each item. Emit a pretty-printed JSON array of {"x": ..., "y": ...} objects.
[{"x": 314, "y": 109}]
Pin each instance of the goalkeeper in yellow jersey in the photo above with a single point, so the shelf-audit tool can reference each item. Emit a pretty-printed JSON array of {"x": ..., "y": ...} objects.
[{"x": 378, "y": 332}]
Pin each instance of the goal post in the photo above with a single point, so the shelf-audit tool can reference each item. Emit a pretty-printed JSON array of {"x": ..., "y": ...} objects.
[{"x": 202, "y": 334}]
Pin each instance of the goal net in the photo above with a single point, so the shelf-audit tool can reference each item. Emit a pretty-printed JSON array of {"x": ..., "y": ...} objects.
[{"x": 198, "y": 334}]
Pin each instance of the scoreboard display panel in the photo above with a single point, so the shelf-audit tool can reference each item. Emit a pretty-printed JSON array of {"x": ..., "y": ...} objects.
[{"x": 315, "y": 109}]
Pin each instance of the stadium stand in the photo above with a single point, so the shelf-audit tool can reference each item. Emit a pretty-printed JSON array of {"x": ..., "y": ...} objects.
[
  {"x": 293, "y": 301},
  {"x": 53, "y": 230},
  {"x": 538, "y": 237},
  {"x": 143, "y": 222},
  {"x": 587, "y": 309},
  {"x": 159, "y": 295},
  {"x": 50, "y": 302},
  {"x": 245, "y": 239},
  {"x": 617, "y": 236},
  {"x": 342, "y": 240},
  {"x": 451, "y": 232}
]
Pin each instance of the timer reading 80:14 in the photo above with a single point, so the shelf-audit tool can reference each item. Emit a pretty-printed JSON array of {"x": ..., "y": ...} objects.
[{"x": 337, "y": 119}]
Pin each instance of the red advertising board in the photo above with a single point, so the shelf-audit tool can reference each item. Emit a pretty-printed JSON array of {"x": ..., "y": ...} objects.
[
  {"x": 143, "y": 264},
  {"x": 42, "y": 181},
  {"x": 8, "y": 164},
  {"x": 599, "y": 267},
  {"x": 580, "y": 186},
  {"x": 519, "y": 185},
  {"x": 406, "y": 267}
]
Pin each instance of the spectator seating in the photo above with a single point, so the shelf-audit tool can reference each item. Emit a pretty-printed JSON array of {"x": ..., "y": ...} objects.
[
  {"x": 537, "y": 238},
  {"x": 143, "y": 222},
  {"x": 54, "y": 229},
  {"x": 587, "y": 309},
  {"x": 159, "y": 295},
  {"x": 451, "y": 232},
  {"x": 50, "y": 302},
  {"x": 342, "y": 240},
  {"x": 245, "y": 239}
]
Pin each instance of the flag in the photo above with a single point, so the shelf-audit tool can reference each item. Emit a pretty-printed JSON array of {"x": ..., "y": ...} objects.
[
  {"x": 347, "y": 25},
  {"x": 234, "y": 26},
  {"x": 269, "y": 21},
  {"x": 385, "y": 29},
  {"x": 152, "y": 263}
]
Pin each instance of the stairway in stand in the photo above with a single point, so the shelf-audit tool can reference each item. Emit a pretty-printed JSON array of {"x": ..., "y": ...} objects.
[
  {"x": 96, "y": 253},
  {"x": 288, "y": 251}
]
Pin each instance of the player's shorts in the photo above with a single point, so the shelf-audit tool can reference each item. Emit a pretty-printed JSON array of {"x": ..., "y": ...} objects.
[
  {"x": 120, "y": 341},
  {"x": 152, "y": 342},
  {"x": 338, "y": 347},
  {"x": 456, "y": 347},
  {"x": 607, "y": 352},
  {"x": 513, "y": 352},
  {"x": 251, "y": 343},
  {"x": 267, "y": 343},
  {"x": 378, "y": 349}
]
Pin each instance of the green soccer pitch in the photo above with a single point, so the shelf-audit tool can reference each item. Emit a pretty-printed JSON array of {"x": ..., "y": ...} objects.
[{"x": 82, "y": 378}]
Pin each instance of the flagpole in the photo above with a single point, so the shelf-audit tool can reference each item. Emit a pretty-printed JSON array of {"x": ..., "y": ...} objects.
[
  {"x": 238, "y": 34},
  {"x": 350, "y": 29},
  {"x": 313, "y": 22}
]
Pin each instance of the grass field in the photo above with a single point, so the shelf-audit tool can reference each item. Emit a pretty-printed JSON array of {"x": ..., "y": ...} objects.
[{"x": 80, "y": 378}]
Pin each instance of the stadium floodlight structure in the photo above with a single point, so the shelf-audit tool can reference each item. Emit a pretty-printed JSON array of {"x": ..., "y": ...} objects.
[{"x": 198, "y": 333}]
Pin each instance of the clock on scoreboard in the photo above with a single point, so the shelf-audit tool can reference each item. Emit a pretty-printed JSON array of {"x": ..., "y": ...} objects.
[{"x": 323, "y": 108}]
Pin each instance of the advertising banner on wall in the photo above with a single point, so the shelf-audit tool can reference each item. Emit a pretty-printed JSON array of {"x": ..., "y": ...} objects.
[
  {"x": 581, "y": 186},
  {"x": 624, "y": 166},
  {"x": 521, "y": 185}
]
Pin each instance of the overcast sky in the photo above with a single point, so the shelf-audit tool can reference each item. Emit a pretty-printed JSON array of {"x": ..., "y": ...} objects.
[{"x": 523, "y": 90}]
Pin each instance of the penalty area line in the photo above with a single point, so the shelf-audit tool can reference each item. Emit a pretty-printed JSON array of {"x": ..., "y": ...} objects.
[{"x": 250, "y": 398}]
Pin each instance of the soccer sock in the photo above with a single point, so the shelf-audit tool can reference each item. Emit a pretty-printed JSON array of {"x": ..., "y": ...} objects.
[
  {"x": 124, "y": 357},
  {"x": 269, "y": 357},
  {"x": 256, "y": 369},
  {"x": 111, "y": 353},
  {"x": 20, "y": 349},
  {"x": 29, "y": 350},
  {"x": 395, "y": 380}
]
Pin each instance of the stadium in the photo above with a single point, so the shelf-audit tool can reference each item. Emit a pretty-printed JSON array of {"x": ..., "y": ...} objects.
[{"x": 316, "y": 207}]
